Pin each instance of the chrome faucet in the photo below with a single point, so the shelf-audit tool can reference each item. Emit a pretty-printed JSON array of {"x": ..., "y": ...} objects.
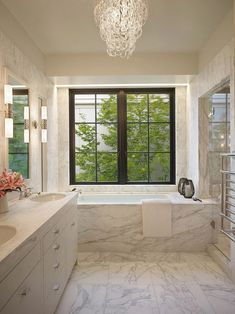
[{"x": 26, "y": 193}]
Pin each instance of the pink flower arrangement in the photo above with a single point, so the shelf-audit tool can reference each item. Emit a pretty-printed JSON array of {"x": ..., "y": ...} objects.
[{"x": 10, "y": 181}]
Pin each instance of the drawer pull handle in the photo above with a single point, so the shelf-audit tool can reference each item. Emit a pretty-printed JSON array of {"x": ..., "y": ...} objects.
[
  {"x": 56, "y": 247},
  {"x": 56, "y": 231},
  {"x": 25, "y": 292},
  {"x": 56, "y": 266},
  {"x": 72, "y": 224},
  {"x": 56, "y": 287}
]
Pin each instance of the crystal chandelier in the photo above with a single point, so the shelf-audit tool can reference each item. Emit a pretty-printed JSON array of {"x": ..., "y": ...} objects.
[{"x": 120, "y": 24}]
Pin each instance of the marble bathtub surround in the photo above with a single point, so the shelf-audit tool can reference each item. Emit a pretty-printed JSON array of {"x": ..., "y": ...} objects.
[
  {"x": 119, "y": 228},
  {"x": 174, "y": 283}
]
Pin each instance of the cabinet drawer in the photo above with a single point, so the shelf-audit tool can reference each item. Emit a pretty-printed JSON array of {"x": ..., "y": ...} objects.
[
  {"x": 28, "y": 297},
  {"x": 52, "y": 299},
  {"x": 54, "y": 264},
  {"x": 9, "y": 285},
  {"x": 53, "y": 234}
]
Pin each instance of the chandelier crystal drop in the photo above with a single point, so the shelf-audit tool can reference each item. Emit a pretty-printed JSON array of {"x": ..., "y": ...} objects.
[{"x": 120, "y": 24}]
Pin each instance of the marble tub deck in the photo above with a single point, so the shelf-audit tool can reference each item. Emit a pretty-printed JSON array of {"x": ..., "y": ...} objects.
[{"x": 147, "y": 283}]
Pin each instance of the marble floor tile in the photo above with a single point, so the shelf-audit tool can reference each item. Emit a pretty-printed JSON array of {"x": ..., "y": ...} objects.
[
  {"x": 91, "y": 273},
  {"x": 221, "y": 297},
  {"x": 171, "y": 273},
  {"x": 177, "y": 299},
  {"x": 125, "y": 299},
  {"x": 166, "y": 283},
  {"x": 130, "y": 273},
  {"x": 83, "y": 299},
  {"x": 208, "y": 273}
]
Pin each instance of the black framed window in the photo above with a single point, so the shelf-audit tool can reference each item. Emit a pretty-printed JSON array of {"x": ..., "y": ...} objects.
[{"x": 122, "y": 136}]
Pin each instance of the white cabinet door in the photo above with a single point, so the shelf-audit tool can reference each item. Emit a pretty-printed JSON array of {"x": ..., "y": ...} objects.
[{"x": 29, "y": 296}]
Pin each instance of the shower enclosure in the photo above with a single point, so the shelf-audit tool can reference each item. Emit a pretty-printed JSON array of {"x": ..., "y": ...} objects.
[{"x": 214, "y": 140}]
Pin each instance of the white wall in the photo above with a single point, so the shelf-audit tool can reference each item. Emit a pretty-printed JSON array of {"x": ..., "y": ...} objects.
[
  {"x": 218, "y": 39},
  {"x": 14, "y": 31}
]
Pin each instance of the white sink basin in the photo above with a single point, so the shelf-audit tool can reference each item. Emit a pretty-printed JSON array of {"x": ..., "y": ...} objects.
[
  {"x": 47, "y": 197},
  {"x": 6, "y": 233}
]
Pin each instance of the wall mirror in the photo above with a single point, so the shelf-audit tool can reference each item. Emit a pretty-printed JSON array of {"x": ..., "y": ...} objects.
[{"x": 17, "y": 146}]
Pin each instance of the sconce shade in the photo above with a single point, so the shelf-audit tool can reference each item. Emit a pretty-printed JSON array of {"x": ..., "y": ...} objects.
[
  {"x": 8, "y": 94},
  {"x": 44, "y": 136},
  {"x": 44, "y": 124},
  {"x": 9, "y": 127},
  {"x": 44, "y": 112},
  {"x": 26, "y": 135},
  {"x": 26, "y": 113}
]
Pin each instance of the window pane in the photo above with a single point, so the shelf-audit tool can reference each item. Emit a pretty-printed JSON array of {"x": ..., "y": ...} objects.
[
  {"x": 85, "y": 167},
  {"x": 137, "y": 108},
  {"x": 16, "y": 144},
  {"x": 159, "y": 167},
  {"x": 107, "y": 137},
  {"x": 217, "y": 135},
  {"x": 137, "y": 167},
  {"x": 106, "y": 108},
  {"x": 137, "y": 137},
  {"x": 159, "y": 108},
  {"x": 19, "y": 102},
  {"x": 19, "y": 163},
  {"x": 85, "y": 139},
  {"x": 217, "y": 111},
  {"x": 159, "y": 137},
  {"x": 84, "y": 108},
  {"x": 107, "y": 169}
]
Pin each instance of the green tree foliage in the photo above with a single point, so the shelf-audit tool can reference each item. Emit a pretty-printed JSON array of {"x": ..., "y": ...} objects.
[
  {"x": 148, "y": 141},
  {"x": 18, "y": 150}
]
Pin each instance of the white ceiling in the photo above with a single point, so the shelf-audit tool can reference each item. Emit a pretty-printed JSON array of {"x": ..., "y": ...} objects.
[{"x": 67, "y": 26}]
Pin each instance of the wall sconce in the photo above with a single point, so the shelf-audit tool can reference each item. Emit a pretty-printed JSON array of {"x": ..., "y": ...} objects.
[
  {"x": 8, "y": 101},
  {"x": 44, "y": 124},
  {"x": 26, "y": 124}
]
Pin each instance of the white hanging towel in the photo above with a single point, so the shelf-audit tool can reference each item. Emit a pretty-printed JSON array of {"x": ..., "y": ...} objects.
[{"x": 157, "y": 218}]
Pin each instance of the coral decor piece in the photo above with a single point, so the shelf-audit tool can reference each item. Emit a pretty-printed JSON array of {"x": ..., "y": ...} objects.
[{"x": 10, "y": 181}]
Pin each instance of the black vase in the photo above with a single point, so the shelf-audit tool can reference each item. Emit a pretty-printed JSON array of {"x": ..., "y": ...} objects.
[
  {"x": 188, "y": 188},
  {"x": 180, "y": 185}
]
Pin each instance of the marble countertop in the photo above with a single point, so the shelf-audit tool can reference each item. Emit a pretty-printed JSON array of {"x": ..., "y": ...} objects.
[{"x": 30, "y": 219}]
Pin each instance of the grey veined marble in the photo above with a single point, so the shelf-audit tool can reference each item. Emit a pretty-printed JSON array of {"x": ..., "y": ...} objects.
[
  {"x": 175, "y": 283},
  {"x": 118, "y": 228}
]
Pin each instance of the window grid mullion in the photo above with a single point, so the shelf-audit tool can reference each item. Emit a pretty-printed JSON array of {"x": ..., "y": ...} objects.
[
  {"x": 96, "y": 164},
  {"x": 122, "y": 133},
  {"x": 148, "y": 138}
]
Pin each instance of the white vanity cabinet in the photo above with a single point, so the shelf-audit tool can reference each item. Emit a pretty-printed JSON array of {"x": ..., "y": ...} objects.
[
  {"x": 36, "y": 283},
  {"x": 59, "y": 259},
  {"x": 29, "y": 296}
]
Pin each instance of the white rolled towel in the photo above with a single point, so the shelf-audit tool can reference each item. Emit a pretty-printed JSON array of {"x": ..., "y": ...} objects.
[{"x": 157, "y": 218}]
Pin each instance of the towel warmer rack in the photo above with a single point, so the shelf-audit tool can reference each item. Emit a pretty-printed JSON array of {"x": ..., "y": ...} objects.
[{"x": 228, "y": 195}]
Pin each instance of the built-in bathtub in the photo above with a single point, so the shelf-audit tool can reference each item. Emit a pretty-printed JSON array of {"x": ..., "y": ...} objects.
[
  {"x": 113, "y": 222},
  {"x": 118, "y": 198}
]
